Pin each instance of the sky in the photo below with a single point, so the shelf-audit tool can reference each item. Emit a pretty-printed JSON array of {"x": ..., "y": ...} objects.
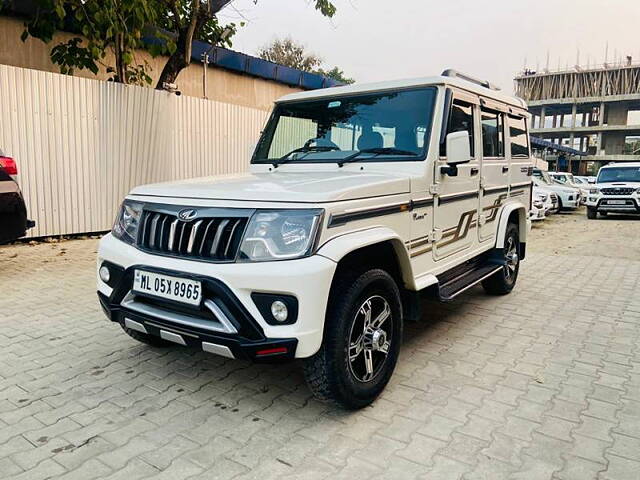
[{"x": 373, "y": 40}]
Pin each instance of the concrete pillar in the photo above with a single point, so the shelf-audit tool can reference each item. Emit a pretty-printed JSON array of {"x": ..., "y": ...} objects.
[
  {"x": 600, "y": 147},
  {"x": 542, "y": 117},
  {"x": 574, "y": 111},
  {"x": 601, "y": 118}
]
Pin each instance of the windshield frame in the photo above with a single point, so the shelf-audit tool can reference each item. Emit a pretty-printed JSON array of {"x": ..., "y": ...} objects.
[
  {"x": 272, "y": 124},
  {"x": 619, "y": 167}
]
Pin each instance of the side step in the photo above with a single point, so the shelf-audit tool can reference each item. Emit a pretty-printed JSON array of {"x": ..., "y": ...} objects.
[{"x": 452, "y": 287}]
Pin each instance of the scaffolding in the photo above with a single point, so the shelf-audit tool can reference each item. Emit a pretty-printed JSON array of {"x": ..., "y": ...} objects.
[{"x": 578, "y": 83}]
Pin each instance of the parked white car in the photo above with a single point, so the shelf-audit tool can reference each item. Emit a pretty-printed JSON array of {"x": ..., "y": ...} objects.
[
  {"x": 617, "y": 190},
  {"x": 568, "y": 197},
  {"x": 359, "y": 200},
  {"x": 568, "y": 179},
  {"x": 548, "y": 198},
  {"x": 537, "y": 209}
]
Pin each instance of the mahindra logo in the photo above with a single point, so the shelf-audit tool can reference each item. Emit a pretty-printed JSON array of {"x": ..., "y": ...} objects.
[{"x": 187, "y": 214}]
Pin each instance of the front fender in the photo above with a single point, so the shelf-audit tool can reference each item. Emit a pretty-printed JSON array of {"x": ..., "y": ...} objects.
[
  {"x": 504, "y": 221},
  {"x": 339, "y": 247}
]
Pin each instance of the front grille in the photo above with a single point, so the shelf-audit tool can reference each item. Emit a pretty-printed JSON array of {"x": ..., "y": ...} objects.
[
  {"x": 208, "y": 238},
  {"x": 554, "y": 197},
  {"x": 617, "y": 191}
]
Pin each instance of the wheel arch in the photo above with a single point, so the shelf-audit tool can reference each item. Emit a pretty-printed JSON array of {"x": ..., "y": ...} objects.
[
  {"x": 513, "y": 213},
  {"x": 380, "y": 246}
]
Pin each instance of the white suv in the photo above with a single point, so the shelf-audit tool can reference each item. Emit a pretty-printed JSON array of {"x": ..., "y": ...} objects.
[
  {"x": 617, "y": 190},
  {"x": 359, "y": 200}
]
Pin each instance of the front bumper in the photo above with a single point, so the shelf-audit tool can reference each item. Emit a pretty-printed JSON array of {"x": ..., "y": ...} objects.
[
  {"x": 602, "y": 204},
  {"x": 230, "y": 287}
]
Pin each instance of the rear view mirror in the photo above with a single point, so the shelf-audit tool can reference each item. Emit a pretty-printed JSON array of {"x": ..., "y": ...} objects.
[{"x": 458, "y": 151}]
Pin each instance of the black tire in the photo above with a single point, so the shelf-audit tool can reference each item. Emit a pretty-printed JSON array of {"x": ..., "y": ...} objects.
[
  {"x": 147, "y": 339},
  {"x": 503, "y": 281},
  {"x": 560, "y": 207},
  {"x": 331, "y": 375},
  {"x": 592, "y": 213}
]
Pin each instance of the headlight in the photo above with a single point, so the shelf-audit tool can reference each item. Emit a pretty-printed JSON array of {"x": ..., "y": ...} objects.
[
  {"x": 126, "y": 225},
  {"x": 280, "y": 235},
  {"x": 593, "y": 191},
  {"x": 638, "y": 190}
]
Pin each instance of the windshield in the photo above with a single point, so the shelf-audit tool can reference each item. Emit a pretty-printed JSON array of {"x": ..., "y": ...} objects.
[
  {"x": 383, "y": 126},
  {"x": 546, "y": 178},
  {"x": 619, "y": 174}
]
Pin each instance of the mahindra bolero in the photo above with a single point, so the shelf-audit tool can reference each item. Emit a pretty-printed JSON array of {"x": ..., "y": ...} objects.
[{"x": 360, "y": 200}]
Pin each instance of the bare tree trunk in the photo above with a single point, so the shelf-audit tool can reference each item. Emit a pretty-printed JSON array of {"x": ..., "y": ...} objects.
[
  {"x": 120, "y": 67},
  {"x": 181, "y": 58}
]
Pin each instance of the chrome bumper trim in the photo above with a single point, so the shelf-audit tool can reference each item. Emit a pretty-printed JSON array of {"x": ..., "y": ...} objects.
[
  {"x": 223, "y": 324},
  {"x": 134, "y": 325},
  {"x": 217, "y": 349}
]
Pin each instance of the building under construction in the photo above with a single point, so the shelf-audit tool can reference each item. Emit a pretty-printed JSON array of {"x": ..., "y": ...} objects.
[{"x": 593, "y": 110}]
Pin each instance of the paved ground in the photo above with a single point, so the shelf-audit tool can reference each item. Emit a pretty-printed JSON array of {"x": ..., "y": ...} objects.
[{"x": 543, "y": 383}]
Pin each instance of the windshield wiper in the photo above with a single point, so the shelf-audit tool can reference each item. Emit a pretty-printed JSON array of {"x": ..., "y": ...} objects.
[
  {"x": 376, "y": 151},
  {"x": 318, "y": 148}
]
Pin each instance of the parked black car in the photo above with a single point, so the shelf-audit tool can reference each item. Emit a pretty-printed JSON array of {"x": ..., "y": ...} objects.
[{"x": 13, "y": 211}]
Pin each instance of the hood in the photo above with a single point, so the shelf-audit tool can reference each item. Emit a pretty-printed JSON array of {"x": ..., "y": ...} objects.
[
  {"x": 305, "y": 187},
  {"x": 618, "y": 184}
]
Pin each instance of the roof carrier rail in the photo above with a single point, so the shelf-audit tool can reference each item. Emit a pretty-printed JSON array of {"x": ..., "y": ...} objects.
[{"x": 450, "y": 72}]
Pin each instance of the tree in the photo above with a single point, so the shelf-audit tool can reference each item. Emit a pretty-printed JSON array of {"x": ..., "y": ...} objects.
[
  {"x": 191, "y": 19},
  {"x": 107, "y": 25},
  {"x": 292, "y": 54},
  {"x": 119, "y": 26},
  {"x": 338, "y": 75}
]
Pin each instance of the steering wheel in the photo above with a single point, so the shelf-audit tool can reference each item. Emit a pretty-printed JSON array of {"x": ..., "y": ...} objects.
[{"x": 321, "y": 142}]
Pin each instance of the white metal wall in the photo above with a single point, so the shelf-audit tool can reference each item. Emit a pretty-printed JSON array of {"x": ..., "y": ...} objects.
[{"x": 82, "y": 144}]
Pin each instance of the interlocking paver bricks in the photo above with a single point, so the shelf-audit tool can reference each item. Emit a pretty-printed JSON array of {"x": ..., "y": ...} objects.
[{"x": 543, "y": 383}]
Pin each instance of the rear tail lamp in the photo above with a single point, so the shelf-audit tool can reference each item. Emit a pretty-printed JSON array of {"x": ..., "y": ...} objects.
[{"x": 9, "y": 165}]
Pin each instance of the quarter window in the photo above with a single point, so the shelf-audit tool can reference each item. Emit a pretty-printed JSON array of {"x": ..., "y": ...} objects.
[
  {"x": 519, "y": 137},
  {"x": 460, "y": 120},
  {"x": 492, "y": 134}
]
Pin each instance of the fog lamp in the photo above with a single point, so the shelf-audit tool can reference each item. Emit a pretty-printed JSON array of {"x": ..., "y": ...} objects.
[
  {"x": 279, "y": 311},
  {"x": 105, "y": 274}
]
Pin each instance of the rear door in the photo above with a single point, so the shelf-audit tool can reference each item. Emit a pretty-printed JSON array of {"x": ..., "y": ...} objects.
[{"x": 495, "y": 169}]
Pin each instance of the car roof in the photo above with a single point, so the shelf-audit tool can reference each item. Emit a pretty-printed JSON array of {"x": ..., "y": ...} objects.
[{"x": 402, "y": 84}]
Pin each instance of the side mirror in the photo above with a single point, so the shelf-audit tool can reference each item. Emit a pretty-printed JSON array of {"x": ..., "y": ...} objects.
[{"x": 458, "y": 151}]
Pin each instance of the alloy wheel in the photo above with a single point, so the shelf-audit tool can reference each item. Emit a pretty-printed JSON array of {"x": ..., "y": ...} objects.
[{"x": 370, "y": 338}]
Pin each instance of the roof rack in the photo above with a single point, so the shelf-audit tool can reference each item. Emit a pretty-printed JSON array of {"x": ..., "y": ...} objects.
[{"x": 450, "y": 72}]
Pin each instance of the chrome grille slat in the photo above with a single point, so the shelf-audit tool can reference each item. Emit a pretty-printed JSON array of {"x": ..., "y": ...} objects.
[
  {"x": 192, "y": 237},
  {"x": 233, "y": 230},
  {"x": 172, "y": 235},
  {"x": 207, "y": 238},
  {"x": 216, "y": 239},
  {"x": 152, "y": 234}
]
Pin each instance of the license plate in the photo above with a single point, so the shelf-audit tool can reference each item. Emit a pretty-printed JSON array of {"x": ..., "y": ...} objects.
[
  {"x": 167, "y": 287},
  {"x": 616, "y": 202}
]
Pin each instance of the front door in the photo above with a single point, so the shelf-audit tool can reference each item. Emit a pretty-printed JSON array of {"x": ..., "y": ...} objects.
[{"x": 456, "y": 204}]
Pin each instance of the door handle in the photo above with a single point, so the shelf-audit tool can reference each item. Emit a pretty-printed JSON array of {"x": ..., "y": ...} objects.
[
  {"x": 473, "y": 171},
  {"x": 505, "y": 169}
]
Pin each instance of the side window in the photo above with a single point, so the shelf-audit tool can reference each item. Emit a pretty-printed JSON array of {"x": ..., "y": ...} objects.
[
  {"x": 519, "y": 137},
  {"x": 460, "y": 120},
  {"x": 492, "y": 134}
]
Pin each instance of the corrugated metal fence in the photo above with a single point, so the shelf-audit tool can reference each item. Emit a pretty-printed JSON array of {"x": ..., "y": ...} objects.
[{"x": 82, "y": 144}]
